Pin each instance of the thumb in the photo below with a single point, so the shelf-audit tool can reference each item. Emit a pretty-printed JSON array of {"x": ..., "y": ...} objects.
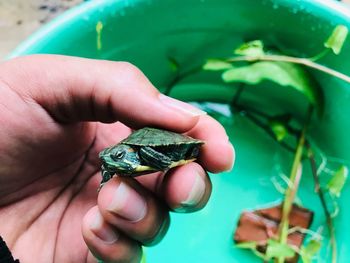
[{"x": 75, "y": 89}]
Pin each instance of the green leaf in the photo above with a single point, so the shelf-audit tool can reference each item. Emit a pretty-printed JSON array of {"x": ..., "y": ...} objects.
[
  {"x": 276, "y": 249},
  {"x": 279, "y": 126},
  {"x": 337, "y": 38},
  {"x": 310, "y": 250},
  {"x": 282, "y": 73},
  {"x": 279, "y": 129},
  {"x": 99, "y": 27},
  {"x": 143, "y": 259},
  {"x": 216, "y": 64},
  {"x": 337, "y": 182},
  {"x": 247, "y": 245},
  {"x": 253, "y": 48},
  {"x": 174, "y": 65},
  {"x": 252, "y": 246}
]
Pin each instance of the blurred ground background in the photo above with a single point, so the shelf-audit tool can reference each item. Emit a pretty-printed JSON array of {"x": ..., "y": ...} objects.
[{"x": 20, "y": 18}]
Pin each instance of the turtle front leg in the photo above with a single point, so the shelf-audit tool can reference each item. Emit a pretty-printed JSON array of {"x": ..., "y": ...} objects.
[
  {"x": 154, "y": 158},
  {"x": 106, "y": 176}
]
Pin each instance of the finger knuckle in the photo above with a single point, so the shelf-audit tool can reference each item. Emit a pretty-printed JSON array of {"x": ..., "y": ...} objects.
[{"x": 130, "y": 71}]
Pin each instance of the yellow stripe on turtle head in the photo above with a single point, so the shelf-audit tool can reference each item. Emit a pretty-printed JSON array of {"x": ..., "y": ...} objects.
[{"x": 144, "y": 168}]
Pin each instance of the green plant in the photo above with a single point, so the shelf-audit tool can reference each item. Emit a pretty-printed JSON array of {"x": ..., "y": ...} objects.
[{"x": 252, "y": 64}]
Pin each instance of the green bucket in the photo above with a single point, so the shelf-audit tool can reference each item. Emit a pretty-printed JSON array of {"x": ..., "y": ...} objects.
[{"x": 147, "y": 32}]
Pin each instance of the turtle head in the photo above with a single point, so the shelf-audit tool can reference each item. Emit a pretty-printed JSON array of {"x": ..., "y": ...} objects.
[{"x": 120, "y": 159}]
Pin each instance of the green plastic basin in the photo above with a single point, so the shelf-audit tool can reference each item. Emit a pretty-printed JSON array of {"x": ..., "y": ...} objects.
[{"x": 146, "y": 32}]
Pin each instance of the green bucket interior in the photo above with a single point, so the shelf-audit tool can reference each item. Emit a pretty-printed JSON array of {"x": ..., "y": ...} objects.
[{"x": 148, "y": 32}]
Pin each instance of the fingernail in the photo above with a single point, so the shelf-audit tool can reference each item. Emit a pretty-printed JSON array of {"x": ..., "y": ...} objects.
[
  {"x": 127, "y": 203},
  {"x": 103, "y": 231},
  {"x": 231, "y": 162},
  {"x": 233, "y": 159},
  {"x": 180, "y": 105},
  {"x": 196, "y": 192}
]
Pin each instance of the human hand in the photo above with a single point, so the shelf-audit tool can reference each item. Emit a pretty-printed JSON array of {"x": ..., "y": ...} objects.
[{"x": 54, "y": 112}]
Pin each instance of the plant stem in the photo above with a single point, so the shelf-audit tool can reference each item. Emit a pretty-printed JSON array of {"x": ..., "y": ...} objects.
[
  {"x": 249, "y": 113},
  {"x": 237, "y": 95},
  {"x": 293, "y": 188},
  {"x": 320, "y": 193},
  {"x": 179, "y": 77},
  {"x": 295, "y": 60},
  {"x": 320, "y": 55}
]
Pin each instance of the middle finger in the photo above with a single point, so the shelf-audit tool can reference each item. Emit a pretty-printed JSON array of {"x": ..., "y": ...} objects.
[{"x": 134, "y": 210}]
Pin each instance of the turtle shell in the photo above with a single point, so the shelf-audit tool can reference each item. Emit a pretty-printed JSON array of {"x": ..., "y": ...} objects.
[{"x": 156, "y": 137}]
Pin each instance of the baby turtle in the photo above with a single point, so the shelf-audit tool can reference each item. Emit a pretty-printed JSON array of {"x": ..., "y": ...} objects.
[{"x": 148, "y": 150}]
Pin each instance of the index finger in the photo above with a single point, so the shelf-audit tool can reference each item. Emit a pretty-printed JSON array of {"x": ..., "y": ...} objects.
[{"x": 72, "y": 89}]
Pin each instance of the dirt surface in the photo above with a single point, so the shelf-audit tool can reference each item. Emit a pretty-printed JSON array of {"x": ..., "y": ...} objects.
[{"x": 20, "y": 18}]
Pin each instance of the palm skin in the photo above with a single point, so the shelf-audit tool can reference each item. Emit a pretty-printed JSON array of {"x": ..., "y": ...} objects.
[
  {"x": 52, "y": 188},
  {"x": 49, "y": 145}
]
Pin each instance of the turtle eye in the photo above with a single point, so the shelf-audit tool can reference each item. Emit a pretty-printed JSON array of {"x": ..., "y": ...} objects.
[{"x": 118, "y": 155}]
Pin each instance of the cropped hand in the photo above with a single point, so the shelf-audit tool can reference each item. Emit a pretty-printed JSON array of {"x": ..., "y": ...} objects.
[{"x": 57, "y": 113}]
